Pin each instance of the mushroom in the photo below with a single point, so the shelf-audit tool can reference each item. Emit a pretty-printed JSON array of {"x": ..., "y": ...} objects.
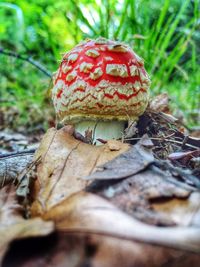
[{"x": 99, "y": 86}]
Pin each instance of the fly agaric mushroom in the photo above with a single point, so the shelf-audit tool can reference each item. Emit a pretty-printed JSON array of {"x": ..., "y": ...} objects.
[{"x": 100, "y": 85}]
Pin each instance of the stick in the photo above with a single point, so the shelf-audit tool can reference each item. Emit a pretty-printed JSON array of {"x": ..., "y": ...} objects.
[{"x": 26, "y": 58}]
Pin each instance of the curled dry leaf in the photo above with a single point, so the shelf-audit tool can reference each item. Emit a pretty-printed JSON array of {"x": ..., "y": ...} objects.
[
  {"x": 13, "y": 225},
  {"x": 64, "y": 160},
  {"x": 88, "y": 213},
  {"x": 160, "y": 103}
]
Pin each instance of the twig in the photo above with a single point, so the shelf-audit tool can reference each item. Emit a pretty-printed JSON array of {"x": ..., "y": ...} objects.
[
  {"x": 26, "y": 170},
  {"x": 19, "y": 153},
  {"x": 163, "y": 139},
  {"x": 26, "y": 58},
  {"x": 181, "y": 143},
  {"x": 184, "y": 141}
]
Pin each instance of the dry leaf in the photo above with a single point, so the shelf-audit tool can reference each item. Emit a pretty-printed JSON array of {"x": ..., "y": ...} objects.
[
  {"x": 64, "y": 161},
  {"x": 138, "y": 193},
  {"x": 56, "y": 250},
  {"x": 136, "y": 159},
  {"x": 88, "y": 213},
  {"x": 135, "y": 194},
  {"x": 62, "y": 249},
  {"x": 160, "y": 103},
  {"x": 13, "y": 225},
  {"x": 117, "y": 253},
  {"x": 184, "y": 211}
]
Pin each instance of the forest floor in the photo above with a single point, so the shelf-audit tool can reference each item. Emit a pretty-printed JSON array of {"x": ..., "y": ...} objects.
[{"x": 143, "y": 190}]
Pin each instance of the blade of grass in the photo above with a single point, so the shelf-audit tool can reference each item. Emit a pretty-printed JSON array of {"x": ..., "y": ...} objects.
[
  {"x": 122, "y": 20},
  {"x": 153, "y": 50},
  {"x": 101, "y": 17},
  {"x": 158, "y": 24},
  {"x": 83, "y": 19},
  {"x": 107, "y": 17},
  {"x": 173, "y": 58},
  {"x": 166, "y": 41}
]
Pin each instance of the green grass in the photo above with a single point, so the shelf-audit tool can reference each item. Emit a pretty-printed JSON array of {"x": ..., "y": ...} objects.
[
  {"x": 186, "y": 99},
  {"x": 165, "y": 33}
]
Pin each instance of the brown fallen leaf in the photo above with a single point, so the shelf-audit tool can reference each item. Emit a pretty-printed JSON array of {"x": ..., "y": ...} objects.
[
  {"x": 88, "y": 213},
  {"x": 160, "y": 103},
  {"x": 195, "y": 132},
  {"x": 56, "y": 250},
  {"x": 64, "y": 249},
  {"x": 13, "y": 225},
  {"x": 136, "y": 193},
  {"x": 136, "y": 159},
  {"x": 64, "y": 160},
  {"x": 185, "y": 211},
  {"x": 118, "y": 253}
]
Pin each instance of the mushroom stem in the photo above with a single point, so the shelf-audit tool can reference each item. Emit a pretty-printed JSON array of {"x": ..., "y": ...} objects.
[{"x": 104, "y": 130}]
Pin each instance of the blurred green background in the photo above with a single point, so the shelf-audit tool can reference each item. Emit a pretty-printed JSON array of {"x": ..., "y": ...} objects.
[{"x": 166, "y": 33}]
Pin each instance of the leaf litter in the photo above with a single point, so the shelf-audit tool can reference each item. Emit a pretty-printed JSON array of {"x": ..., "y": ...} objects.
[
  {"x": 138, "y": 192},
  {"x": 13, "y": 225}
]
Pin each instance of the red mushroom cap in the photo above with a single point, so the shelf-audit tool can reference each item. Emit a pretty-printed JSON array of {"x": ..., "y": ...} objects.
[{"x": 100, "y": 79}]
